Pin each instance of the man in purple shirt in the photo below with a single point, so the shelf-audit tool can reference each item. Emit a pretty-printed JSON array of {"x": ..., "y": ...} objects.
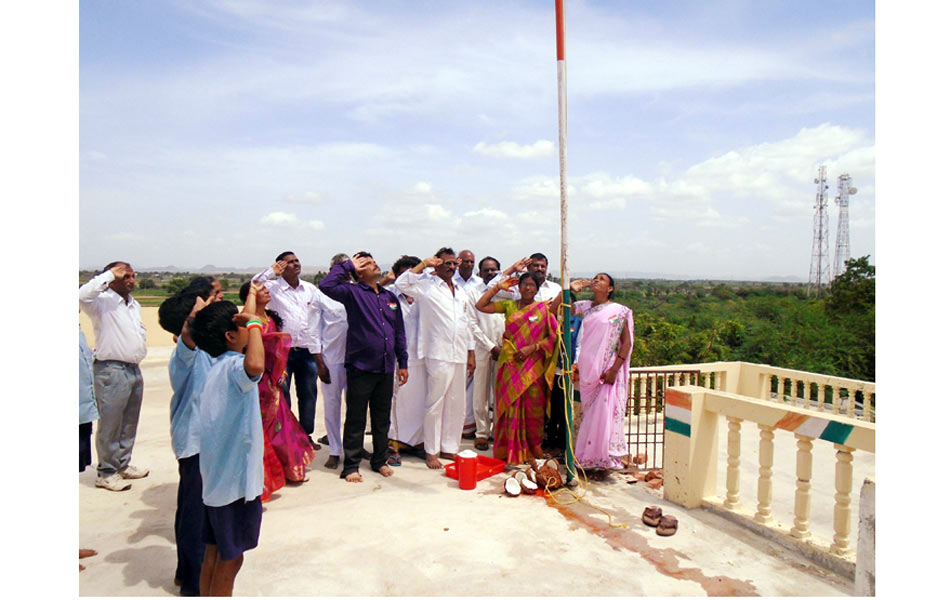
[{"x": 375, "y": 343}]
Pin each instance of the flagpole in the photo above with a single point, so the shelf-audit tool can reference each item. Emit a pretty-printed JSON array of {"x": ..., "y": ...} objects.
[{"x": 565, "y": 276}]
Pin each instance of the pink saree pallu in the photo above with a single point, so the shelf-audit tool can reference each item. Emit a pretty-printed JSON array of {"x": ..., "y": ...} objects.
[
  {"x": 281, "y": 428},
  {"x": 522, "y": 387},
  {"x": 600, "y": 439}
]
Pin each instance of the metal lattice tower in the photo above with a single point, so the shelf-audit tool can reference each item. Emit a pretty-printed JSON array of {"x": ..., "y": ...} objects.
[
  {"x": 843, "y": 241},
  {"x": 820, "y": 255}
]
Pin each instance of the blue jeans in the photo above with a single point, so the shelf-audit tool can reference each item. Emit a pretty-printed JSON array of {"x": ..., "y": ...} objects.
[{"x": 303, "y": 368}]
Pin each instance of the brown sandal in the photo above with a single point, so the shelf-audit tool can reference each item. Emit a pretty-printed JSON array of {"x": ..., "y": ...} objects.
[
  {"x": 668, "y": 525},
  {"x": 652, "y": 515}
]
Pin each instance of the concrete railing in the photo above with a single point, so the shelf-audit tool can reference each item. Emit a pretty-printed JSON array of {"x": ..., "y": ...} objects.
[
  {"x": 810, "y": 391},
  {"x": 692, "y": 417}
]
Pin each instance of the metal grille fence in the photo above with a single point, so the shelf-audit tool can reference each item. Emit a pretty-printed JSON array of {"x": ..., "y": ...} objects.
[{"x": 645, "y": 399}]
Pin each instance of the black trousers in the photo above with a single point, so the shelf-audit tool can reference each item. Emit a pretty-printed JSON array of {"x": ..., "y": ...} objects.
[
  {"x": 189, "y": 518},
  {"x": 556, "y": 427},
  {"x": 373, "y": 390}
]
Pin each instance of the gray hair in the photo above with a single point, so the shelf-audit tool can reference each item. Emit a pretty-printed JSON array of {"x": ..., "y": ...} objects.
[{"x": 342, "y": 257}]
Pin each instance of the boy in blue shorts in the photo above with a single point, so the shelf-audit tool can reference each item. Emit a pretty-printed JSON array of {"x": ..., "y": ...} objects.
[
  {"x": 232, "y": 439},
  {"x": 186, "y": 369}
]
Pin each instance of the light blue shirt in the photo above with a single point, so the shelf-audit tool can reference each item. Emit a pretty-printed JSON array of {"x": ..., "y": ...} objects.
[
  {"x": 187, "y": 370},
  {"x": 232, "y": 437},
  {"x": 87, "y": 393}
]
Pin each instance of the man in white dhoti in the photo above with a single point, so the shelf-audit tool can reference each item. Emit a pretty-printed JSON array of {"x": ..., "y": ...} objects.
[
  {"x": 328, "y": 322},
  {"x": 447, "y": 345},
  {"x": 487, "y": 329}
]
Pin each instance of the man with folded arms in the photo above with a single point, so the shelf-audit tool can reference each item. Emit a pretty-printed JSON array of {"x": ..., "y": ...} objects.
[{"x": 120, "y": 347}]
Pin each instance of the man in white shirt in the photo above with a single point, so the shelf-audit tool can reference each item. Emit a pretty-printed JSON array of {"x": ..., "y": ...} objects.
[
  {"x": 120, "y": 347},
  {"x": 292, "y": 299},
  {"x": 466, "y": 279},
  {"x": 487, "y": 329},
  {"x": 536, "y": 263},
  {"x": 328, "y": 319},
  {"x": 447, "y": 345}
]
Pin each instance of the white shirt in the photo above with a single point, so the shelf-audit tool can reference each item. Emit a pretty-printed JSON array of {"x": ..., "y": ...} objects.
[
  {"x": 445, "y": 327},
  {"x": 410, "y": 320},
  {"x": 472, "y": 282},
  {"x": 328, "y": 322},
  {"x": 120, "y": 334},
  {"x": 487, "y": 328},
  {"x": 549, "y": 290},
  {"x": 293, "y": 304}
]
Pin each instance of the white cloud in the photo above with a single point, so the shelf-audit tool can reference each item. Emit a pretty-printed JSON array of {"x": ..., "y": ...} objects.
[
  {"x": 422, "y": 188},
  {"x": 316, "y": 225},
  {"x": 280, "y": 219},
  {"x": 539, "y": 149}
]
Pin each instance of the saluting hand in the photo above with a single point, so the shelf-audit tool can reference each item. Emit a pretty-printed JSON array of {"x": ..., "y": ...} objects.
[{"x": 278, "y": 267}]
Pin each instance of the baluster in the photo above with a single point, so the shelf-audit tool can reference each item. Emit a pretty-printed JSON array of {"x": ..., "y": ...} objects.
[
  {"x": 836, "y": 401},
  {"x": 821, "y": 397},
  {"x": 869, "y": 398},
  {"x": 802, "y": 488},
  {"x": 843, "y": 476},
  {"x": 765, "y": 387},
  {"x": 732, "y": 468},
  {"x": 764, "y": 512},
  {"x": 851, "y": 399}
]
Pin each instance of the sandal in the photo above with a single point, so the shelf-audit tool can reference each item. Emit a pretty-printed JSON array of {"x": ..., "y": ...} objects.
[
  {"x": 652, "y": 515},
  {"x": 394, "y": 460},
  {"x": 668, "y": 525},
  {"x": 481, "y": 444}
]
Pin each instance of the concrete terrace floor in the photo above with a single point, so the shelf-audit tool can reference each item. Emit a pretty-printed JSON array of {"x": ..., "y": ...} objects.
[{"x": 417, "y": 534}]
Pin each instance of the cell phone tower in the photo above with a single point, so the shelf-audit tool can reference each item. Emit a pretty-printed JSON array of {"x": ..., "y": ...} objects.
[
  {"x": 820, "y": 256},
  {"x": 843, "y": 241}
]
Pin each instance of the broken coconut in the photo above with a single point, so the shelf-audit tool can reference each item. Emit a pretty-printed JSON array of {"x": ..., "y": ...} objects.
[
  {"x": 520, "y": 476},
  {"x": 512, "y": 487},
  {"x": 549, "y": 478},
  {"x": 528, "y": 486}
]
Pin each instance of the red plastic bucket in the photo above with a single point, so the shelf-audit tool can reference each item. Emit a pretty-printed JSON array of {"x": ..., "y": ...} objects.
[{"x": 467, "y": 467}]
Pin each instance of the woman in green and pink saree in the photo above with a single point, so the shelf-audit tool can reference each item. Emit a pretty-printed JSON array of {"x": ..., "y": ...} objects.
[{"x": 525, "y": 369}]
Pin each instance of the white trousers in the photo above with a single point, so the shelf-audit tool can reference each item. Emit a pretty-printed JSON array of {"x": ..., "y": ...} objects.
[
  {"x": 483, "y": 396},
  {"x": 445, "y": 406},
  {"x": 333, "y": 406},
  {"x": 469, "y": 426},
  {"x": 409, "y": 405}
]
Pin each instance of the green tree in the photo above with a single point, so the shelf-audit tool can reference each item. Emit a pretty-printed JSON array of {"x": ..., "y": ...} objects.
[
  {"x": 175, "y": 285},
  {"x": 225, "y": 283},
  {"x": 146, "y": 284},
  {"x": 853, "y": 290}
]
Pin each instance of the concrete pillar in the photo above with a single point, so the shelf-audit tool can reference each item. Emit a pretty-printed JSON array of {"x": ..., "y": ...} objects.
[
  {"x": 864, "y": 565},
  {"x": 691, "y": 437}
]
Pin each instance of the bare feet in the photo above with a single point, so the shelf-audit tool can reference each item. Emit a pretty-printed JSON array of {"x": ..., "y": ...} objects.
[
  {"x": 354, "y": 477},
  {"x": 332, "y": 462},
  {"x": 447, "y": 455},
  {"x": 386, "y": 471},
  {"x": 86, "y": 552},
  {"x": 432, "y": 461}
]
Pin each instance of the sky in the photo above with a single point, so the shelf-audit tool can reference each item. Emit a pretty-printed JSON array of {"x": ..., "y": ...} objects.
[{"x": 224, "y": 132}]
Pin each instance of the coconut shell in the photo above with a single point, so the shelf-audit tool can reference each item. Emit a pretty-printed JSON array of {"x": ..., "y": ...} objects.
[
  {"x": 549, "y": 478},
  {"x": 551, "y": 462},
  {"x": 520, "y": 476},
  {"x": 512, "y": 487},
  {"x": 528, "y": 486},
  {"x": 532, "y": 475}
]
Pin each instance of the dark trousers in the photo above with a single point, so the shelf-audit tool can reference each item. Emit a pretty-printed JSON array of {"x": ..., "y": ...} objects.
[
  {"x": 189, "y": 519},
  {"x": 556, "y": 428},
  {"x": 303, "y": 369},
  {"x": 374, "y": 390}
]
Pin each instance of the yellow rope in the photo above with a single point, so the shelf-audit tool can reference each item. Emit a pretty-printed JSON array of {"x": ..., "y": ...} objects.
[{"x": 583, "y": 484}]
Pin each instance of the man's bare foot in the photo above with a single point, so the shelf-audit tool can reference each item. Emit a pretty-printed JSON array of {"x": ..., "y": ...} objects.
[
  {"x": 332, "y": 462},
  {"x": 386, "y": 471},
  {"x": 354, "y": 477},
  {"x": 87, "y": 552},
  {"x": 432, "y": 461},
  {"x": 447, "y": 455}
]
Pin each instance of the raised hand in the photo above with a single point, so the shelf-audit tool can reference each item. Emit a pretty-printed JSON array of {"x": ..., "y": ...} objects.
[
  {"x": 580, "y": 284},
  {"x": 508, "y": 283},
  {"x": 362, "y": 264},
  {"x": 387, "y": 278},
  {"x": 432, "y": 261},
  {"x": 119, "y": 271},
  {"x": 199, "y": 304},
  {"x": 278, "y": 267}
]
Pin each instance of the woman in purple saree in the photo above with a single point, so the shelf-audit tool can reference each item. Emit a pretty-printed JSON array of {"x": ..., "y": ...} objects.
[{"x": 602, "y": 361}]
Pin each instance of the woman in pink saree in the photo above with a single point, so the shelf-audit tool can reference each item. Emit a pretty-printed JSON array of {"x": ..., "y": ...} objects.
[
  {"x": 287, "y": 449},
  {"x": 525, "y": 369},
  {"x": 602, "y": 360}
]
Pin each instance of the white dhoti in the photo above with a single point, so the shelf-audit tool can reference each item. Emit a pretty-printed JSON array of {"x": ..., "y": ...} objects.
[
  {"x": 470, "y": 425},
  {"x": 445, "y": 406},
  {"x": 333, "y": 406},
  {"x": 483, "y": 397},
  {"x": 409, "y": 405}
]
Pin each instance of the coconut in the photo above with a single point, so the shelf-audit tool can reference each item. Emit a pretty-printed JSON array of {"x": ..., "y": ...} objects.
[
  {"x": 512, "y": 487},
  {"x": 528, "y": 486},
  {"x": 532, "y": 475},
  {"x": 520, "y": 476},
  {"x": 551, "y": 462},
  {"x": 549, "y": 478}
]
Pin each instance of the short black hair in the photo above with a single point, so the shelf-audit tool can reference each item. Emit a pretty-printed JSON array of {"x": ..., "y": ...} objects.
[
  {"x": 200, "y": 286},
  {"x": 539, "y": 256},
  {"x": 444, "y": 250},
  {"x": 362, "y": 254},
  {"x": 405, "y": 262},
  {"x": 114, "y": 263},
  {"x": 210, "y": 324},
  {"x": 498, "y": 264},
  {"x": 611, "y": 294},
  {"x": 173, "y": 312},
  {"x": 283, "y": 254}
]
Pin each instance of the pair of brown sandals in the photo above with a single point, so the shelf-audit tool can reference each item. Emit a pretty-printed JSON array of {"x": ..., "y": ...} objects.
[{"x": 665, "y": 525}]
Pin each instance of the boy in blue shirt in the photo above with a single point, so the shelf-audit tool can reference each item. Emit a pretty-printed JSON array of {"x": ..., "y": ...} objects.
[
  {"x": 232, "y": 439},
  {"x": 187, "y": 370}
]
